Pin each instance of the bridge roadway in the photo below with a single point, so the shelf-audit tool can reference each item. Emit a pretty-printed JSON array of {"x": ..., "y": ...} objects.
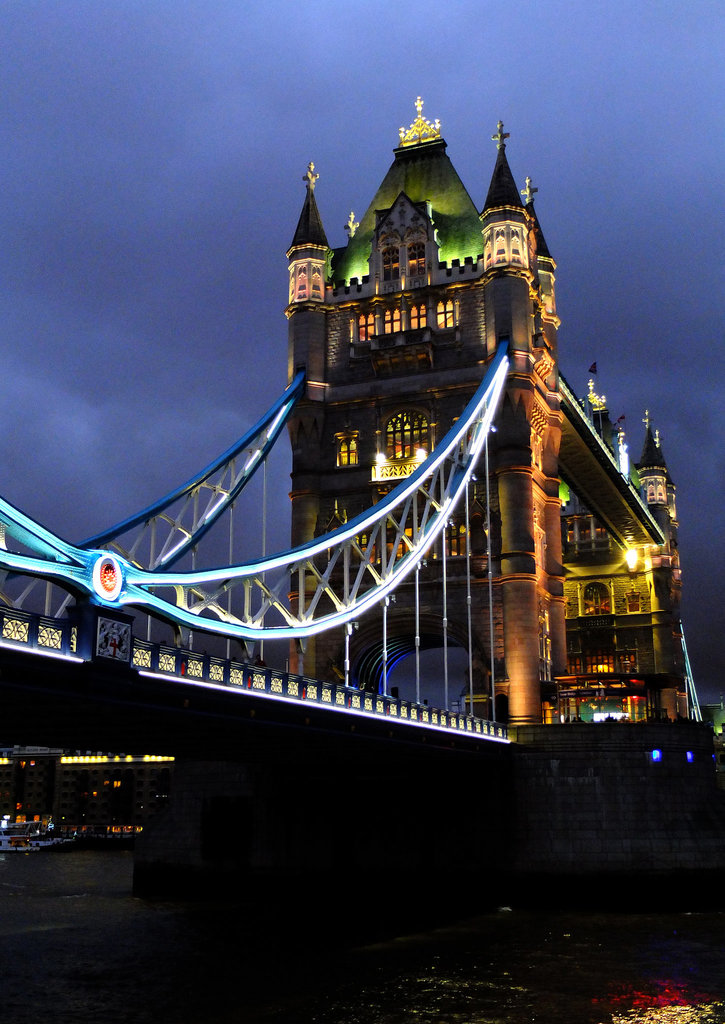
[{"x": 104, "y": 705}]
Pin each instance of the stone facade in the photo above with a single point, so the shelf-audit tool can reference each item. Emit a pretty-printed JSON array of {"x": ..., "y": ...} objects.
[{"x": 415, "y": 306}]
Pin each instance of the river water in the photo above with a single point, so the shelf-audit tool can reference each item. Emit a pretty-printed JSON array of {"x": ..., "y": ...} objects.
[{"x": 76, "y": 946}]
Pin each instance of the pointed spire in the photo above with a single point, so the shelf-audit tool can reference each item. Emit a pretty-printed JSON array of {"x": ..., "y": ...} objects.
[
  {"x": 652, "y": 457},
  {"x": 309, "y": 227},
  {"x": 542, "y": 249},
  {"x": 502, "y": 191}
]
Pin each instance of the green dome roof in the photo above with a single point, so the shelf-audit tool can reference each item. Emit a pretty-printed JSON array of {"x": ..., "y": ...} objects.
[{"x": 425, "y": 174}]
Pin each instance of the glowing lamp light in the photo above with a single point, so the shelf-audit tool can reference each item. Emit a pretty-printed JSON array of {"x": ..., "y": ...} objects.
[
  {"x": 631, "y": 557},
  {"x": 380, "y": 458},
  {"x": 656, "y": 755},
  {"x": 107, "y": 577},
  {"x": 421, "y": 454}
]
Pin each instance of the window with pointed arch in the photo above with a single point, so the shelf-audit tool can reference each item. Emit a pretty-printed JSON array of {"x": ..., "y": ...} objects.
[
  {"x": 445, "y": 314},
  {"x": 391, "y": 321},
  {"x": 597, "y": 599},
  {"x": 391, "y": 263},
  {"x": 456, "y": 540},
  {"x": 418, "y": 317},
  {"x": 347, "y": 450},
  {"x": 365, "y": 326},
  {"x": 405, "y": 434},
  {"x": 416, "y": 259}
]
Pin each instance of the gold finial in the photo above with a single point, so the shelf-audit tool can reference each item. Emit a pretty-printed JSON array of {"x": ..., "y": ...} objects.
[
  {"x": 352, "y": 225},
  {"x": 420, "y": 130},
  {"x": 310, "y": 177},
  {"x": 597, "y": 402},
  {"x": 658, "y": 439},
  {"x": 646, "y": 419},
  {"x": 528, "y": 192},
  {"x": 500, "y": 137}
]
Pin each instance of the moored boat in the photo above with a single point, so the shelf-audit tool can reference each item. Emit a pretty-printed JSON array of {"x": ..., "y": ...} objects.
[{"x": 29, "y": 836}]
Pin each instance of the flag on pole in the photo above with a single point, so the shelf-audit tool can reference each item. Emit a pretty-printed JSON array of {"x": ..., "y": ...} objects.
[{"x": 593, "y": 368}]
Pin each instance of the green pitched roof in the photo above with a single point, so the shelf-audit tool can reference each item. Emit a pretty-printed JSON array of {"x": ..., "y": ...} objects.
[{"x": 425, "y": 174}]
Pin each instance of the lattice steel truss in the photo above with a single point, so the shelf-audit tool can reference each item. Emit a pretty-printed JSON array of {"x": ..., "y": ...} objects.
[{"x": 335, "y": 577}]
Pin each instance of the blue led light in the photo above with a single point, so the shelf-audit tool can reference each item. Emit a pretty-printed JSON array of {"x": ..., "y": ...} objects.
[{"x": 656, "y": 755}]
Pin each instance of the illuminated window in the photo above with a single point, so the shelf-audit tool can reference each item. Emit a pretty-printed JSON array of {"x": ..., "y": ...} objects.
[
  {"x": 418, "y": 317},
  {"x": 597, "y": 661},
  {"x": 405, "y": 433},
  {"x": 445, "y": 314},
  {"x": 456, "y": 539},
  {"x": 391, "y": 321},
  {"x": 365, "y": 326},
  {"x": 596, "y": 599},
  {"x": 500, "y": 244},
  {"x": 416, "y": 259},
  {"x": 391, "y": 263},
  {"x": 515, "y": 246},
  {"x": 347, "y": 450}
]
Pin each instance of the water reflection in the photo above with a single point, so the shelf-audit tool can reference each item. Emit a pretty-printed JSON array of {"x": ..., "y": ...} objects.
[{"x": 711, "y": 1013}]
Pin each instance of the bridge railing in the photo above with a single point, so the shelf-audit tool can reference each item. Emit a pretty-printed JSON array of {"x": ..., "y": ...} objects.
[
  {"x": 58, "y": 637},
  {"x": 199, "y": 667}
]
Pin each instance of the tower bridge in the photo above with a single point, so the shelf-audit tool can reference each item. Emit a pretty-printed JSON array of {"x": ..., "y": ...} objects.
[{"x": 448, "y": 489}]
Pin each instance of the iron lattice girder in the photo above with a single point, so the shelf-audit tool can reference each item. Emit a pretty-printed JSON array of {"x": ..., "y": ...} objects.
[
  {"x": 416, "y": 512},
  {"x": 204, "y": 498},
  {"x": 588, "y": 466}
]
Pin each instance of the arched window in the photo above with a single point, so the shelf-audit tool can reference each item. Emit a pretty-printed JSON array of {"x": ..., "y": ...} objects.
[
  {"x": 445, "y": 314},
  {"x": 596, "y": 599},
  {"x": 391, "y": 263},
  {"x": 316, "y": 284},
  {"x": 418, "y": 317},
  {"x": 405, "y": 433},
  {"x": 347, "y": 450},
  {"x": 365, "y": 326},
  {"x": 416, "y": 259},
  {"x": 391, "y": 321}
]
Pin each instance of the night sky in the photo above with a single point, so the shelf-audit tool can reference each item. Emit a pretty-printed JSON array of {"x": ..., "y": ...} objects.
[{"x": 151, "y": 181}]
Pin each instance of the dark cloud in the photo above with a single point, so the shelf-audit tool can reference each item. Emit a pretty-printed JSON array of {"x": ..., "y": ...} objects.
[{"x": 151, "y": 183}]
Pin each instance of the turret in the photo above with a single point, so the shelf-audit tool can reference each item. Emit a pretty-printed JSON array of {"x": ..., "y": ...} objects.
[
  {"x": 308, "y": 258},
  {"x": 658, "y": 489}
]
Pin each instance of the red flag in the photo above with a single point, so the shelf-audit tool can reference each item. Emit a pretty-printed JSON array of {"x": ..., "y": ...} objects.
[{"x": 593, "y": 368}]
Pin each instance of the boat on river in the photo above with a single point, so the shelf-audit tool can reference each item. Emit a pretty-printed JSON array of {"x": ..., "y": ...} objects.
[{"x": 29, "y": 836}]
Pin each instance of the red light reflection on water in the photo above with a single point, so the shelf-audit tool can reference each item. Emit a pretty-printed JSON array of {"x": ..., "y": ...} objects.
[{"x": 665, "y": 992}]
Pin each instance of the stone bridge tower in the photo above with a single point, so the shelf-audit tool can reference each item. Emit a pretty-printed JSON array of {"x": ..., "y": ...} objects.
[{"x": 395, "y": 330}]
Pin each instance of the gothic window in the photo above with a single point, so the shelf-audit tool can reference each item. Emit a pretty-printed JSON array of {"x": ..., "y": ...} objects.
[
  {"x": 391, "y": 263},
  {"x": 633, "y": 601},
  {"x": 596, "y": 599},
  {"x": 391, "y": 321},
  {"x": 301, "y": 283},
  {"x": 346, "y": 450},
  {"x": 418, "y": 317},
  {"x": 316, "y": 283},
  {"x": 365, "y": 326},
  {"x": 405, "y": 433},
  {"x": 416, "y": 259},
  {"x": 500, "y": 244},
  {"x": 515, "y": 247},
  {"x": 445, "y": 314},
  {"x": 456, "y": 539}
]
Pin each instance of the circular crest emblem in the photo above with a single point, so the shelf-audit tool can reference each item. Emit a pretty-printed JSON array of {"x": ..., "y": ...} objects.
[{"x": 107, "y": 577}]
